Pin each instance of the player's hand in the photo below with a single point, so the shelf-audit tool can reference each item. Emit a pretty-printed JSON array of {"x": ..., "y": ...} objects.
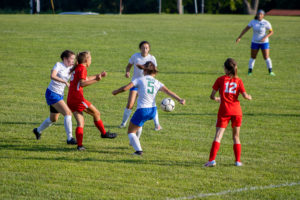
[
  {"x": 182, "y": 101},
  {"x": 114, "y": 92},
  {"x": 238, "y": 40},
  {"x": 127, "y": 75},
  {"x": 67, "y": 84},
  {"x": 218, "y": 99},
  {"x": 249, "y": 97},
  {"x": 98, "y": 77},
  {"x": 103, "y": 74},
  {"x": 262, "y": 40}
]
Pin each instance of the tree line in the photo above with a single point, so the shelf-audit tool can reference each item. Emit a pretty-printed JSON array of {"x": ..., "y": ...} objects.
[{"x": 145, "y": 6}]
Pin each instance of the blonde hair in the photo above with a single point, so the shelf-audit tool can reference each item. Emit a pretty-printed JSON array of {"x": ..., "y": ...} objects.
[{"x": 81, "y": 58}]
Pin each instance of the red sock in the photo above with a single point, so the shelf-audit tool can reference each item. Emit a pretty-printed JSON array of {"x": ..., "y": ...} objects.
[
  {"x": 237, "y": 148},
  {"x": 214, "y": 150},
  {"x": 100, "y": 126},
  {"x": 79, "y": 136}
]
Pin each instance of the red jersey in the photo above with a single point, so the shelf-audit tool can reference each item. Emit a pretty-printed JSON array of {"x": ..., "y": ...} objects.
[
  {"x": 229, "y": 89},
  {"x": 75, "y": 90}
]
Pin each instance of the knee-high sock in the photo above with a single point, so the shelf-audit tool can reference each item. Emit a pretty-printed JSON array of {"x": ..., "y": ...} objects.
[
  {"x": 155, "y": 119},
  {"x": 79, "y": 136},
  {"x": 237, "y": 148},
  {"x": 139, "y": 132},
  {"x": 126, "y": 115},
  {"x": 68, "y": 126},
  {"x": 214, "y": 150},
  {"x": 135, "y": 142},
  {"x": 100, "y": 126},
  {"x": 251, "y": 63},
  {"x": 47, "y": 123},
  {"x": 269, "y": 64}
]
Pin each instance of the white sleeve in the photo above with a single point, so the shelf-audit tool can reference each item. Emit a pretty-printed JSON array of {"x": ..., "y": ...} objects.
[
  {"x": 251, "y": 23},
  {"x": 154, "y": 61},
  {"x": 268, "y": 26},
  {"x": 160, "y": 85},
  {"x": 131, "y": 60},
  {"x": 135, "y": 82},
  {"x": 56, "y": 67}
]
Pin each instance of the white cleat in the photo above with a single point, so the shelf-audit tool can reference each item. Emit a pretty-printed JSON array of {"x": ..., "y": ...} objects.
[
  {"x": 238, "y": 164},
  {"x": 210, "y": 164},
  {"x": 158, "y": 128}
]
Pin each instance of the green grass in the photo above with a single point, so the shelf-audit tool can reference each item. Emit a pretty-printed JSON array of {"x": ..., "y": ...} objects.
[{"x": 190, "y": 52}]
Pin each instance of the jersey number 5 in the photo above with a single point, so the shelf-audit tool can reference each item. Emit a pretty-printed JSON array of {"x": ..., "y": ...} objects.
[
  {"x": 150, "y": 89},
  {"x": 230, "y": 88}
]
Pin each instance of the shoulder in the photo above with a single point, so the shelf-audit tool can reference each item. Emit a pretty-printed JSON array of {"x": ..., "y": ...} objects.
[
  {"x": 253, "y": 21},
  {"x": 136, "y": 55},
  {"x": 58, "y": 65}
]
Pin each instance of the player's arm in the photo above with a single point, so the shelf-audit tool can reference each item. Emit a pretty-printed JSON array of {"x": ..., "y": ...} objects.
[
  {"x": 172, "y": 94},
  {"x": 213, "y": 96},
  {"x": 269, "y": 34},
  {"x": 54, "y": 76},
  {"x": 246, "y": 96},
  {"x": 242, "y": 33},
  {"x": 92, "y": 79},
  {"x": 123, "y": 89},
  {"x": 140, "y": 66},
  {"x": 127, "y": 74}
]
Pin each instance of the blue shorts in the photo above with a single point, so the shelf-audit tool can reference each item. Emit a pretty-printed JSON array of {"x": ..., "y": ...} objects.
[
  {"x": 260, "y": 45},
  {"x": 52, "y": 97},
  {"x": 142, "y": 115},
  {"x": 134, "y": 89}
]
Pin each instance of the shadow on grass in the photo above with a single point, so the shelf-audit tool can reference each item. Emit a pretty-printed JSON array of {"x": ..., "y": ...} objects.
[{"x": 56, "y": 124}]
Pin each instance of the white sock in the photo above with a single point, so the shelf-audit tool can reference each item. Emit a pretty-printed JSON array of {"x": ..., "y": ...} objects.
[
  {"x": 139, "y": 132},
  {"x": 155, "y": 119},
  {"x": 68, "y": 126},
  {"x": 251, "y": 63},
  {"x": 47, "y": 123},
  {"x": 126, "y": 115},
  {"x": 269, "y": 63},
  {"x": 135, "y": 142}
]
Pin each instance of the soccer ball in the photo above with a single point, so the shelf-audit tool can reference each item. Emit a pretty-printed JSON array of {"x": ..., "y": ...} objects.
[{"x": 167, "y": 105}]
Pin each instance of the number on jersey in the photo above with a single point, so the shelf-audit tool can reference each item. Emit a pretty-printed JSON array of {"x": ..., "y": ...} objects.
[{"x": 230, "y": 88}]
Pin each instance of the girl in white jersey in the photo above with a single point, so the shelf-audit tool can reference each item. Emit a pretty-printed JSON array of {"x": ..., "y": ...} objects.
[
  {"x": 136, "y": 60},
  {"x": 147, "y": 87},
  {"x": 60, "y": 76},
  {"x": 262, "y": 30}
]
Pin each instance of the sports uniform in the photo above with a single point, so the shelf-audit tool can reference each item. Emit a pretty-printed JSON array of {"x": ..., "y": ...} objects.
[
  {"x": 260, "y": 29},
  {"x": 230, "y": 109}
]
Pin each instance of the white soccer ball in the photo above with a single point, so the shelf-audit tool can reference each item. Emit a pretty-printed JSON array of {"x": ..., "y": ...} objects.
[{"x": 167, "y": 105}]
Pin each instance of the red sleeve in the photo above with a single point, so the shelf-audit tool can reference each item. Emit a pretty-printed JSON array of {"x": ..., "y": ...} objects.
[
  {"x": 82, "y": 73},
  {"x": 242, "y": 88},
  {"x": 216, "y": 86}
]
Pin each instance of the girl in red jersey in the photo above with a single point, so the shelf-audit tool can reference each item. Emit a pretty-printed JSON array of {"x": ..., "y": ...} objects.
[
  {"x": 229, "y": 87},
  {"x": 76, "y": 101}
]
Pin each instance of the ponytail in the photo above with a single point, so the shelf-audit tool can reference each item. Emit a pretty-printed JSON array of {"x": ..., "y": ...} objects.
[{"x": 231, "y": 66}]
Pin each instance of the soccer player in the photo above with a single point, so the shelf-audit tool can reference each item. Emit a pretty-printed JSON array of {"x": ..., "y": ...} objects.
[
  {"x": 262, "y": 30},
  {"x": 138, "y": 59},
  {"x": 76, "y": 101},
  {"x": 229, "y": 87},
  {"x": 60, "y": 76},
  {"x": 147, "y": 87}
]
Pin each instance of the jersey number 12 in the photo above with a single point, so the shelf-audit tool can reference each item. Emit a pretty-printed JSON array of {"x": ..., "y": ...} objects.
[{"x": 230, "y": 88}]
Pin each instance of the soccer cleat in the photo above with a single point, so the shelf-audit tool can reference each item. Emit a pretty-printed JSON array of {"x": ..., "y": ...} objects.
[
  {"x": 71, "y": 141},
  {"x": 272, "y": 74},
  {"x": 138, "y": 153},
  {"x": 158, "y": 128},
  {"x": 210, "y": 163},
  {"x": 238, "y": 164},
  {"x": 249, "y": 73},
  {"x": 122, "y": 125},
  {"x": 80, "y": 148},
  {"x": 37, "y": 134},
  {"x": 109, "y": 135}
]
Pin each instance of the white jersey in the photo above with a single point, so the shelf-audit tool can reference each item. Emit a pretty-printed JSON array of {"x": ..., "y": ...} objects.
[
  {"x": 63, "y": 72},
  {"x": 137, "y": 58},
  {"x": 260, "y": 29},
  {"x": 148, "y": 87}
]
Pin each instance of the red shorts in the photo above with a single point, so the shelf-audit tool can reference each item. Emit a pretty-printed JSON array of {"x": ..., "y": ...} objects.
[
  {"x": 222, "y": 121},
  {"x": 79, "y": 106}
]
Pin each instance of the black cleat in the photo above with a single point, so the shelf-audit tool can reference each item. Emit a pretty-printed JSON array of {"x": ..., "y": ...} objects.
[
  {"x": 138, "y": 153},
  {"x": 36, "y": 133},
  {"x": 71, "y": 141},
  {"x": 109, "y": 135},
  {"x": 80, "y": 148}
]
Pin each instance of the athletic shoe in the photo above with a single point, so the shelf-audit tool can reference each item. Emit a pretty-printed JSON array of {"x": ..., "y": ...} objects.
[
  {"x": 158, "y": 128},
  {"x": 238, "y": 164},
  {"x": 80, "y": 148},
  {"x": 71, "y": 141},
  {"x": 109, "y": 135},
  {"x": 272, "y": 74},
  {"x": 210, "y": 163},
  {"x": 37, "y": 134},
  {"x": 249, "y": 73},
  {"x": 122, "y": 125},
  {"x": 138, "y": 153}
]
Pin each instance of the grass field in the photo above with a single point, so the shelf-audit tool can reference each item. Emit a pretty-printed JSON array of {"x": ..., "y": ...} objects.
[{"x": 190, "y": 51}]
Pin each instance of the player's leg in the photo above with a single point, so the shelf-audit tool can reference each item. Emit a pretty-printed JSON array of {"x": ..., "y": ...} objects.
[
  {"x": 134, "y": 139},
  {"x": 130, "y": 103},
  {"x": 266, "y": 52},
  {"x": 254, "y": 51},
  {"x": 156, "y": 122},
  {"x": 79, "y": 129},
  {"x": 62, "y": 108},
  {"x": 236, "y": 126},
  {"x": 92, "y": 110}
]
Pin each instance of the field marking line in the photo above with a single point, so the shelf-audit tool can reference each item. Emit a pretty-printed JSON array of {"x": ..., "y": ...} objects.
[{"x": 236, "y": 191}]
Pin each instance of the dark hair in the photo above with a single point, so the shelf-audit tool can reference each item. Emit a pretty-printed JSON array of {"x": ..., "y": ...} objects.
[
  {"x": 257, "y": 13},
  {"x": 80, "y": 58},
  {"x": 66, "y": 54},
  {"x": 150, "y": 68},
  {"x": 142, "y": 43},
  {"x": 231, "y": 66}
]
